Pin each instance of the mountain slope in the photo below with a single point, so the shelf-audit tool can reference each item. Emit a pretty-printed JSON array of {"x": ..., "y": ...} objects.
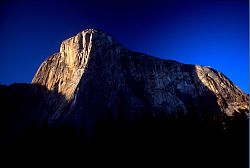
[
  {"x": 99, "y": 78},
  {"x": 96, "y": 97}
]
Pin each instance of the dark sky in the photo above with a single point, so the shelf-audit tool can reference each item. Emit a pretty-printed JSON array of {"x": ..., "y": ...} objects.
[{"x": 207, "y": 32}]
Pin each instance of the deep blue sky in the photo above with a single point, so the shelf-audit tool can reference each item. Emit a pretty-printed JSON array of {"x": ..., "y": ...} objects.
[{"x": 206, "y": 32}]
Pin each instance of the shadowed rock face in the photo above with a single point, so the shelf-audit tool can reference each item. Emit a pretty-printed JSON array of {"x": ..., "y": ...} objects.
[
  {"x": 100, "y": 78},
  {"x": 96, "y": 97}
]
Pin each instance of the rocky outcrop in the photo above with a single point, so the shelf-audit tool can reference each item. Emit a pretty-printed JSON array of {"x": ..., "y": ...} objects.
[
  {"x": 100, "y": 78},
  {"x": 97, "y": 98}
]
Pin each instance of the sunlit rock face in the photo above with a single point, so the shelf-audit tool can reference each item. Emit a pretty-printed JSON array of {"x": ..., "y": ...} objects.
[
  {"x": 62, "y": 71},
  {"x": 101, "y": 79},
  {"x": 228, "y": 96}
]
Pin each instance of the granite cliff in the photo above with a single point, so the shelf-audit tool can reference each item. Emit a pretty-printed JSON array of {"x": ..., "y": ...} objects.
[
  {"x": 98, "y": 77},
  {"x": 96, "y": 94}
]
